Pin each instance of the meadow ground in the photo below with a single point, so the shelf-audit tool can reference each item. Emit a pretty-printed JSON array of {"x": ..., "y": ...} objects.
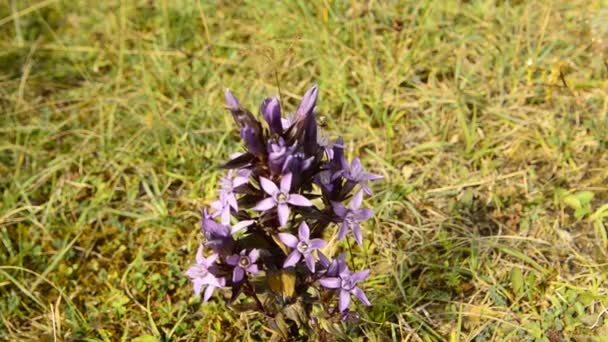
[{"x": 488, "y": 119}]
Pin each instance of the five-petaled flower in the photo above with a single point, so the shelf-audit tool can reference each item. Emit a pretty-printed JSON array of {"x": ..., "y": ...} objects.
[
  {"x": 355, "y": 173},
  {"x": 242, "y": 263},
  {"x": 200, "y": 275},
  {"x": 280, "y": 198},
  {"x": 302, "y": 246},
  {"x": 352, "y": 216},
  {"x": 346, "y": 282}
]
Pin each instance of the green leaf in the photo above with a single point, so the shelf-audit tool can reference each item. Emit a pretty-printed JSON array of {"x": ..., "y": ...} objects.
[
  {"x": 517, "y": 281},
  {"x": 572, "y": 201},
  {"x": 584, "y": 197}
]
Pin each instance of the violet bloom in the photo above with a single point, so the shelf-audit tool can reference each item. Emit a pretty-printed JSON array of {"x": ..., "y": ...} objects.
[
  {"x": 199, "y": 275},
  {"x": 303, "y": 247},
  {"x": 356, "y": 174},
  {"x": 219, "y": 236},
  {"x": 271, "y": 110},
  {"x": 352, "y": 216},
  {"x": 242, "y": 263},
  {"x": 229, "y": 183},
  {"x": 332, "y": 268},
  {"x": 278, "y": 152},
  {"x": 280, "y": 198},
  {"x": 346, "y": 282}
]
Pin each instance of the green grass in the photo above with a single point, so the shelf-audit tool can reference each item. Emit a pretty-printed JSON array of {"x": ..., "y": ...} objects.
[{"x": 488, "y": 119}]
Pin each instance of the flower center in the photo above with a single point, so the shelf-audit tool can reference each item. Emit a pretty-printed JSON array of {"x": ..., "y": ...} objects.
[
  {"x": 282, "y": 197},
  {"x": 347, "y": 284},
  {"x": 244, "y": 261},
  {"x": 302, "y": 247}
]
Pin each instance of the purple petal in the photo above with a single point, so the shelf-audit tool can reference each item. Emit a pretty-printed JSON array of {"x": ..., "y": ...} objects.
[
  {"x": 342, "y": 232},
  {"x": 283, "y": 211},
  {"x": 355, "y": 203},
  {"x": 359, "y": 276},
  {"x": 361, "y": 296},
  {"x": 231, "y": 100},
  {"x": 292, "y": 258},
  {"x": 239, "y": 180},
  {"x": 366, "y": 188},
  {"x": 232, "y": 202},
  {"x": 253, "y": 269},
  {"x": 323, "y": 259},
  {"x": 265, "y": 204},
  {"x": 197, "y": 286},
  {"x": 268, "y": 186},
  {"x": 344, "y": 300},
  {"x": 254, "y": 255},
  {"x": 271, "y": 109},
  {"x": 339, "y": 209},
  {"x": 233, "y": 260},
  {"x": 208, "y": 293},
  {"x": 241, "y": 225},
  {"x": 309, "y": 100},
  {"x": 237, "y": 274},
  {"x": 299, "y": 200},
  {"x": 317, "y": 244},
  {"x": 288, "y": 239},
  {"x": 358, "y": 235},
  {"x": 330, "y": 282},
  {"x": 303, "y": 232},
  {"x": 310, "y": 262},
  {"x": 210, "y": 260},
  {"x": 364, "y": 214},
  {"x": 286, "y": 183},
  {"x": 370, "y": 177},
  {"x": 355, "y": 166},
  {"x": 200, "y": 259}
]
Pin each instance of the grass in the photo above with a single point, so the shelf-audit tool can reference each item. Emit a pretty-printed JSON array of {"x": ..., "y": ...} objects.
[{"x": 488, "y": 119}]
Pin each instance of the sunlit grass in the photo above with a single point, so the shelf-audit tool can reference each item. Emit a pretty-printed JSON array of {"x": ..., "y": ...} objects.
[{"x": 488, "y": 119}]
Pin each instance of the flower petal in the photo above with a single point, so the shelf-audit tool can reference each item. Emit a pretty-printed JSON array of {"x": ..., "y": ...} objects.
[
  {"x": 241, "y": 225},
  {"x": 237, "y": 274},
  {"x": 253, "y": 269},
  {"x": 355, "y": 203},
  {"x": 339, "y": 209},
  {"x": 359, "y": 276},
  {"x": 364, "y": 214},
  {"x": 197, "y": 286},
  {"x": 208, "y": 293},
  {"x": 323, "y": 259},
  {"x": 344, "y": 300},
  {"x": 330, "y": 282},
  {"x": 299, "y": 200},
  {"x": 357, "y": 233},
  {"x": 286, "y": 183},
  {"x": 343, "y": 230},
  {"x": 292, "y": 258},
  {"x": 283, "y": 211},
  {"x": 317, "y": 243},
  {"x": 265, "y": 204},
  {"x": 310, "y": 262},
  {"x": 303, "y": 232},
  {"x": 210, "y": 260},
  {"x": 231, "y": 100},
  {"x": 268, "y": 186},
  {"x": 200, "y": 259},
  {"x": 288, "y": 239},
  {"x": 309, "y": 100},
  {"x": 232, "y": 260},
  {"x": 361, "y": 296},
  {"x": 254, "y": 255}
]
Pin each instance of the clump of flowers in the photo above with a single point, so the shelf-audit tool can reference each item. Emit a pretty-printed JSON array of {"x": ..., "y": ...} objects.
[{"x": 279, "y": 204}]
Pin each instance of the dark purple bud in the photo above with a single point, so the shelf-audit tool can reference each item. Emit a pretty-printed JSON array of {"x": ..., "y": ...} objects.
[
  {"x": 252, "y": 141},
  {"x": 271, "y": 109},
  {"x": 308, "y": 103}
]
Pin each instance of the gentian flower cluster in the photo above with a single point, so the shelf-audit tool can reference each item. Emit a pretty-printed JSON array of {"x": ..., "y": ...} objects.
[{"x": 279, "y": 204}]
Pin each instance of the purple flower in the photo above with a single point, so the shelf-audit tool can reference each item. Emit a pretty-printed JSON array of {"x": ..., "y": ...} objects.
[
  {"x": 356, "y": 174},
  {"x": 228, "y": 185},
  {"x": 329, "y": 147},
  {"x": 271, "y": 109},
  {"x": 199, "y": 275},
  {"x": 242, "y": 263},
  {"x": 296, "y": 163},
  {"x": 332, "y": 268},
  {"x": 219, "y": 236},
  {"x": 278, "y": 152},
  {"x": 352, "y": 216},
  {"x": 280, "y": 198},
  {"x": 309, "y": 100},
  {"x": 249, "y": 128},
  {"x": 346, "y": 282},
  {"x": 302, "y": 246},
  {"x": 252, "y": 140}
]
